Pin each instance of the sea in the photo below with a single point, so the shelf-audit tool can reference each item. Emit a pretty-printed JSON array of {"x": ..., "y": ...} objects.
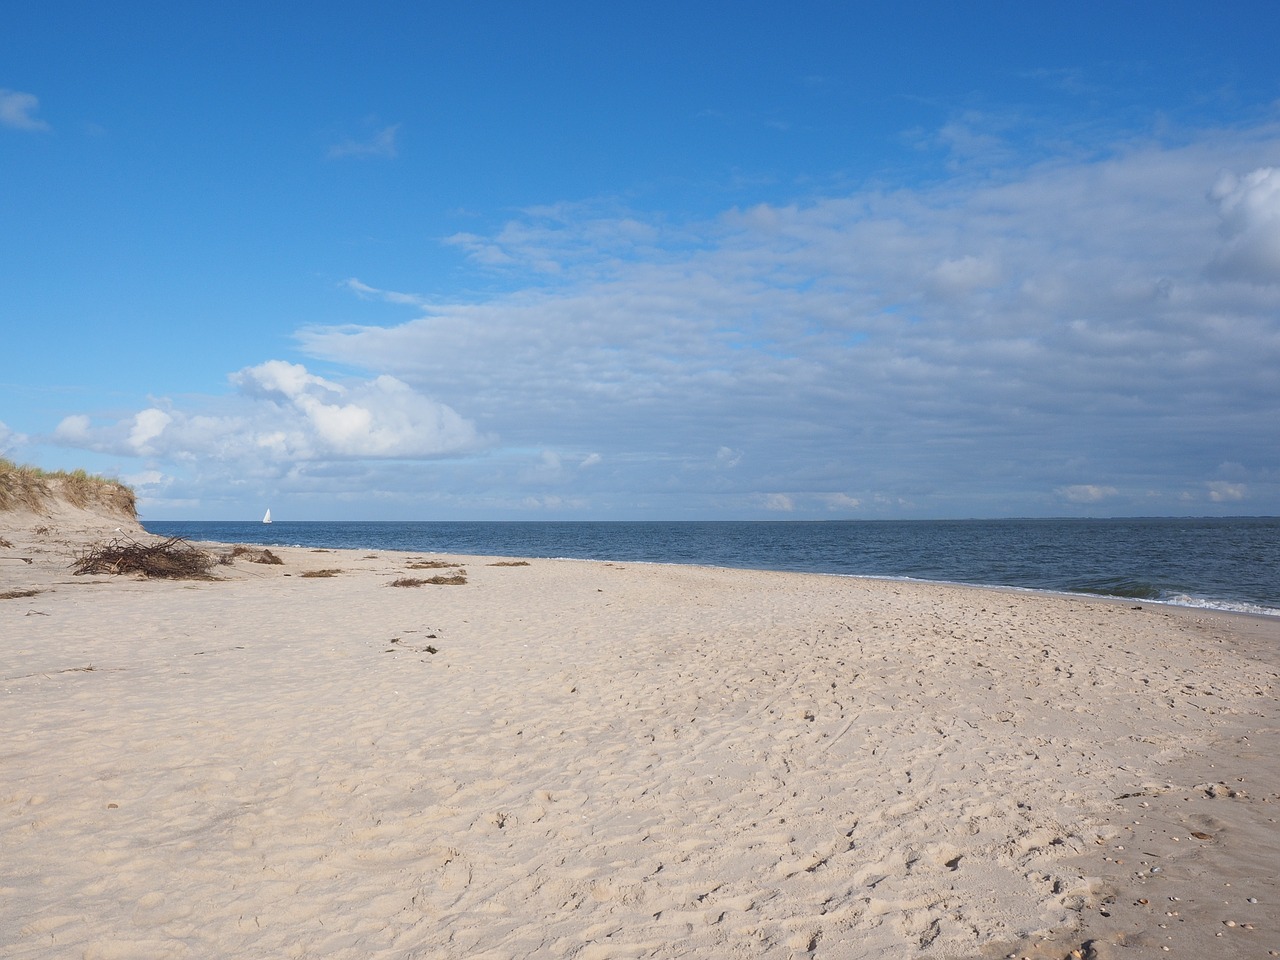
[{"x": 1230, "y": 564}]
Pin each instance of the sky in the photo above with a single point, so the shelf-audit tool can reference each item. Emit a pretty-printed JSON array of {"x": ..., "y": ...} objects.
[{"x": 664, "y": 260}]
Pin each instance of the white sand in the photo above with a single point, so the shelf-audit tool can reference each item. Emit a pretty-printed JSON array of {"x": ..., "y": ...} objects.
[{"x": 617, "y": 760}]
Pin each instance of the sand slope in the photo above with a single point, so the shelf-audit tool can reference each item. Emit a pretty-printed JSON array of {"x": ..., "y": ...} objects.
[{"x": 605, "y": 760}]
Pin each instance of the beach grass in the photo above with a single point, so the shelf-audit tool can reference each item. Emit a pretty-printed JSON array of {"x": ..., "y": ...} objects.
[{"x": 25, "y": 487}]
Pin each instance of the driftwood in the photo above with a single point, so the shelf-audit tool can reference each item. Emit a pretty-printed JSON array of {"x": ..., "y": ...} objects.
[{"x": 173, "y": 559}]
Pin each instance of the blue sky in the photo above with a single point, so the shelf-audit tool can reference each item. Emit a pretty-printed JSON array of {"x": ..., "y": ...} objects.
[{"x": 663, "y": 260}]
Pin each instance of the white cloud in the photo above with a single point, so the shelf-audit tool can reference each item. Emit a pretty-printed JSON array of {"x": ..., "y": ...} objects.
[
  {"x": 147, "y": 426},
  {"x": 285, "y": 414},
  {"x": 548, "y": 468},
  {"x": 9, "y": 440},
  {"x": 1086, "y": 493},
  {"x": 961, "y": 275},
  {"x": 480, "y": 249},
  {"x": 1221, "y": 491},
  {"x": 381, "y": 143},
  {"x": 841, "y": 501},
  {"x": 74, "y": 430},
  {"x": 18, "y": 109},
  {"x": 1250, "y": 210},
  {"x": 147, "y": 483},
  {"x": 728, "y": 457},
  {"x": 585, "y": 238},
  {"x": 366, "y": 292},
  {"x": 970, "y": 348},
  {"x": 934, "y": 347}
]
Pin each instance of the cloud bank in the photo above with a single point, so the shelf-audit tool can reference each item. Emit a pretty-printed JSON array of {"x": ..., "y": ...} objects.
[{"x": 1099, "y": 334}]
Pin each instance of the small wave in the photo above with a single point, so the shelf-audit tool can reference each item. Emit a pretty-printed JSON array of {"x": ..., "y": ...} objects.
[
  {"x": 1125, "y": 587},
  {"x": 1226, "y": 606}
]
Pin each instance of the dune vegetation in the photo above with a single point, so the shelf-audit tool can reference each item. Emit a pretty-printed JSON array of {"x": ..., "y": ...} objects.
[{"x": 31, "y": 488}]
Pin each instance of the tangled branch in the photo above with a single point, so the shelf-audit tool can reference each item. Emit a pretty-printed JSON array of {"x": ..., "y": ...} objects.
[{"x": 173, "y": 559}]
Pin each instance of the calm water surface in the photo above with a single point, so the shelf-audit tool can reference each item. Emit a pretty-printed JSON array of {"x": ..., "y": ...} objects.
[{"x": 1230, "y": 564}]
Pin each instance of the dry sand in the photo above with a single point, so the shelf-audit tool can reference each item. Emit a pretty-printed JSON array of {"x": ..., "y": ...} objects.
[{"x": 620, "y": 760}]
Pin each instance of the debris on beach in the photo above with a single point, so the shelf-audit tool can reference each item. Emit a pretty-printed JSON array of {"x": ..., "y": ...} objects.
[
  {"x": 173, "y": 559},
  {"x": 18, "y": 594},
  {"x": 255, "y": 555},
  {"x": 457, "y": 578}
]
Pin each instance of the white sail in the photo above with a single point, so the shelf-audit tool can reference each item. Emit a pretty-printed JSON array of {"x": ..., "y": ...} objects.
[{"x": 266, "y": 517}]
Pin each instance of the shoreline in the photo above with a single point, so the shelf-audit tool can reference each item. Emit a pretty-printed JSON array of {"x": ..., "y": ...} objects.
[
  {"x": 1246, "y": 602},
  {"x": 628, "y": 759}
]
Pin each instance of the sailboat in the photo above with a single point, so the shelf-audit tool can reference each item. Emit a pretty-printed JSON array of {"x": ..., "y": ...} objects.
[{"x": 266, "y": 517}]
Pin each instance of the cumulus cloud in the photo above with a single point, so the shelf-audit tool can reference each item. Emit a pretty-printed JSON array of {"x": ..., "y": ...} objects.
[
  {"x": 284, "y": 413},
  {"x": 1249, "y": 208},
  {"x": 17, "y": 110},
  {"x": 1222, "y": 491},
  {"x": 148, "y": 425}
]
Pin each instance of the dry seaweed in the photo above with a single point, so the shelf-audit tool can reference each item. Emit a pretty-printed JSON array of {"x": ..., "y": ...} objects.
[
  {"x": 510, "y": 563},
  {"x": 172, "y": 559},
  {"x": 321, "y": 573},
  {"x": 17, "y": 594},
  {"x": 431, "y": 565},
  {"x": 256, "y": 555},
  {"x": 457, "y": 579}
]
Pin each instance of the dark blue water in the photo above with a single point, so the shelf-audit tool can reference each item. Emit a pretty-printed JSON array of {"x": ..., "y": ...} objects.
[{"x": 1230, "y": 564}]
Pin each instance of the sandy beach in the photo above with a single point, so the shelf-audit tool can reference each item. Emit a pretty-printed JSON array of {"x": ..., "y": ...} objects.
[{"x": 596, "y": 760}]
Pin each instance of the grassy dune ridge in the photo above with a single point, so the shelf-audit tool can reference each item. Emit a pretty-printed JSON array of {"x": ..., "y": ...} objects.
[{"x": 31, "y": 488}]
